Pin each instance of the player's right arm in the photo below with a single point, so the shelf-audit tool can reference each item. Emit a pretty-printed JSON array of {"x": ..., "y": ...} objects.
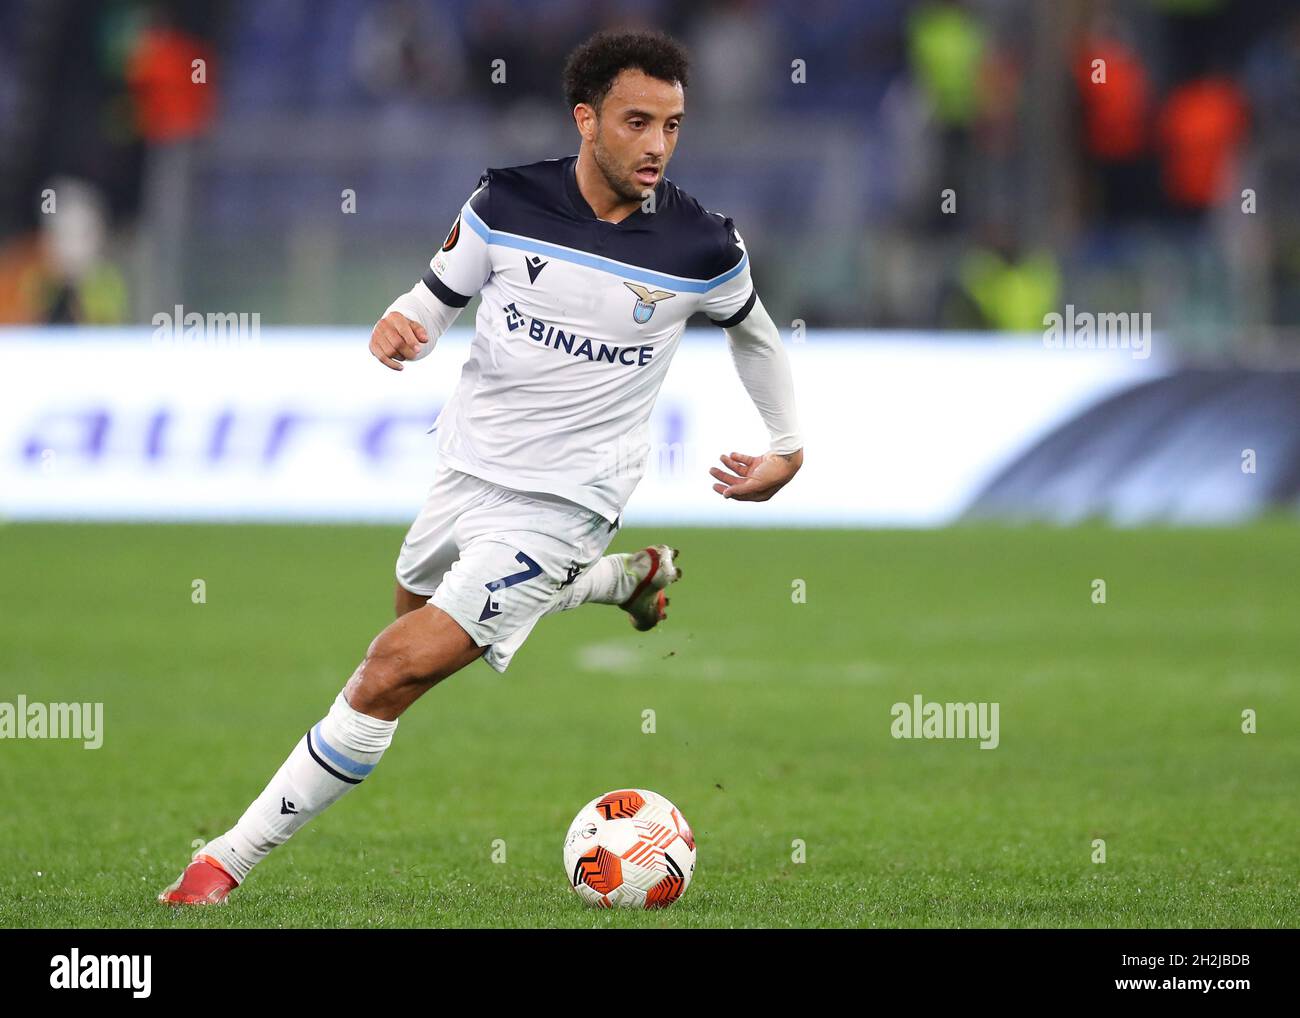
[{"x": 411, "y": 326}]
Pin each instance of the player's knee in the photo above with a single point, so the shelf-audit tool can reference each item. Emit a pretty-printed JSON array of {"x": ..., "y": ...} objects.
[
  {"x": 411, "y": 655},
  {"x": 391, "y": 662}
]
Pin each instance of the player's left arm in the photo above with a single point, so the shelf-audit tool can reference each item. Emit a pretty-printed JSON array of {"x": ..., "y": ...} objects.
[{"x": 764, "y": 370}]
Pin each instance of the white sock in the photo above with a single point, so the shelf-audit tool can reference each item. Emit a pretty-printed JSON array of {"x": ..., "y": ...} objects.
[
  {"x": 609, "y": 581},
  {"x": 333, "y": 758}
]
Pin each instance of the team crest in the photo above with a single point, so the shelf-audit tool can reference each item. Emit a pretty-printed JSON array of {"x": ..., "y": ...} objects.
[
  {"x": 646, "y": 301},
  {"x": 452, "y": 236}
]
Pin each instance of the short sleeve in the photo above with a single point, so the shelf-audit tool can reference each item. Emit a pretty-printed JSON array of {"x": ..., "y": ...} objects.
[
  {"x": 463, "y": 264},
  {"x": 730, "y": 294}
]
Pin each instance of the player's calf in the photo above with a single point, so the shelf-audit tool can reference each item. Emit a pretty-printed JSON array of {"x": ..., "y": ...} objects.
[
  {"x": 333, "y": 757},
  {"x": 336, "y": 755}
]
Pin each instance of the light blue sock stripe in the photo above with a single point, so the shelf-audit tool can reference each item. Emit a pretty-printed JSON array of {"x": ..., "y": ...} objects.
[{"x": 338, "y": 759}]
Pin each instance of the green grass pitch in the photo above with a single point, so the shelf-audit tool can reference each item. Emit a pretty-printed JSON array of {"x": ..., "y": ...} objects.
[{"x": 1118, "y": 721}]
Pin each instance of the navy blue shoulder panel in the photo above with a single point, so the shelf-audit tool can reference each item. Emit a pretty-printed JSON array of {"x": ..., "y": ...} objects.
[
  {"x": 481, "y": 202},
  {"x": 541, "y": 201}
]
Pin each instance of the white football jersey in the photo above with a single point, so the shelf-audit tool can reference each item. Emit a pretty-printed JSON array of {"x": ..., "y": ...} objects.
[{"x": 578, "y": 323}]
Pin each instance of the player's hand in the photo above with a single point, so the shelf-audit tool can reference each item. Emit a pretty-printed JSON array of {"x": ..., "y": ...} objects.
[
  {"x": 755, "y": 478},
  {"x": 396, "y": 338}
]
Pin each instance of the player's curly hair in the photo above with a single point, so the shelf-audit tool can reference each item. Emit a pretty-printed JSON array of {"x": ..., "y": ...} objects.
[{"x": 590, "y": 71}]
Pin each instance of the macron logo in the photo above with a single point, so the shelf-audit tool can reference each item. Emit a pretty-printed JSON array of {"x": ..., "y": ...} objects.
[
  {"x": 534, "y": 265},
  {"x": 74, "y": 971}
]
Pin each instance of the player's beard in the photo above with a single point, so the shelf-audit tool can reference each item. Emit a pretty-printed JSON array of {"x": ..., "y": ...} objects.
[{"x": 622, "y": 184}]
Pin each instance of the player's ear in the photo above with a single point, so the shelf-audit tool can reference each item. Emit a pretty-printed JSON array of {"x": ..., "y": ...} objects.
[{"x": 585, "y": 117}]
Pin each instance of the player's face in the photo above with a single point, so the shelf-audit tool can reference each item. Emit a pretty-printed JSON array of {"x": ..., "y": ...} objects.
[{"x": 636, "y": 132}]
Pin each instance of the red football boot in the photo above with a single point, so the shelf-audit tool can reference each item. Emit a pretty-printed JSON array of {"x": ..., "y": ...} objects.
[
  {"x": 654, "y": 567},
  {"x": 204, "y": 882}
]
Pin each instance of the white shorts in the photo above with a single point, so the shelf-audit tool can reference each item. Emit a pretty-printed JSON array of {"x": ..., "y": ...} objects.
[{"x": 497, "y": 560}]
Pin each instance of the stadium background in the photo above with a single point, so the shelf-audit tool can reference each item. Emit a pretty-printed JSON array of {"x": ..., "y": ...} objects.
[{"x": 929, "y": 395}]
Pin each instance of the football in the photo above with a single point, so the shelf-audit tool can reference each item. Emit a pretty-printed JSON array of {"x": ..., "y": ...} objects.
[{"x": 630, "y": 848}]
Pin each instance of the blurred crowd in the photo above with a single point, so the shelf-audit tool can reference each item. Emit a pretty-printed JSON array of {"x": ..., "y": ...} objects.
[{"x": 895, "y": 164}]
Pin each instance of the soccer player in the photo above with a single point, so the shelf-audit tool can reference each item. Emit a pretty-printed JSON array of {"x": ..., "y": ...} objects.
[{"x": 588, "y": 267}]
